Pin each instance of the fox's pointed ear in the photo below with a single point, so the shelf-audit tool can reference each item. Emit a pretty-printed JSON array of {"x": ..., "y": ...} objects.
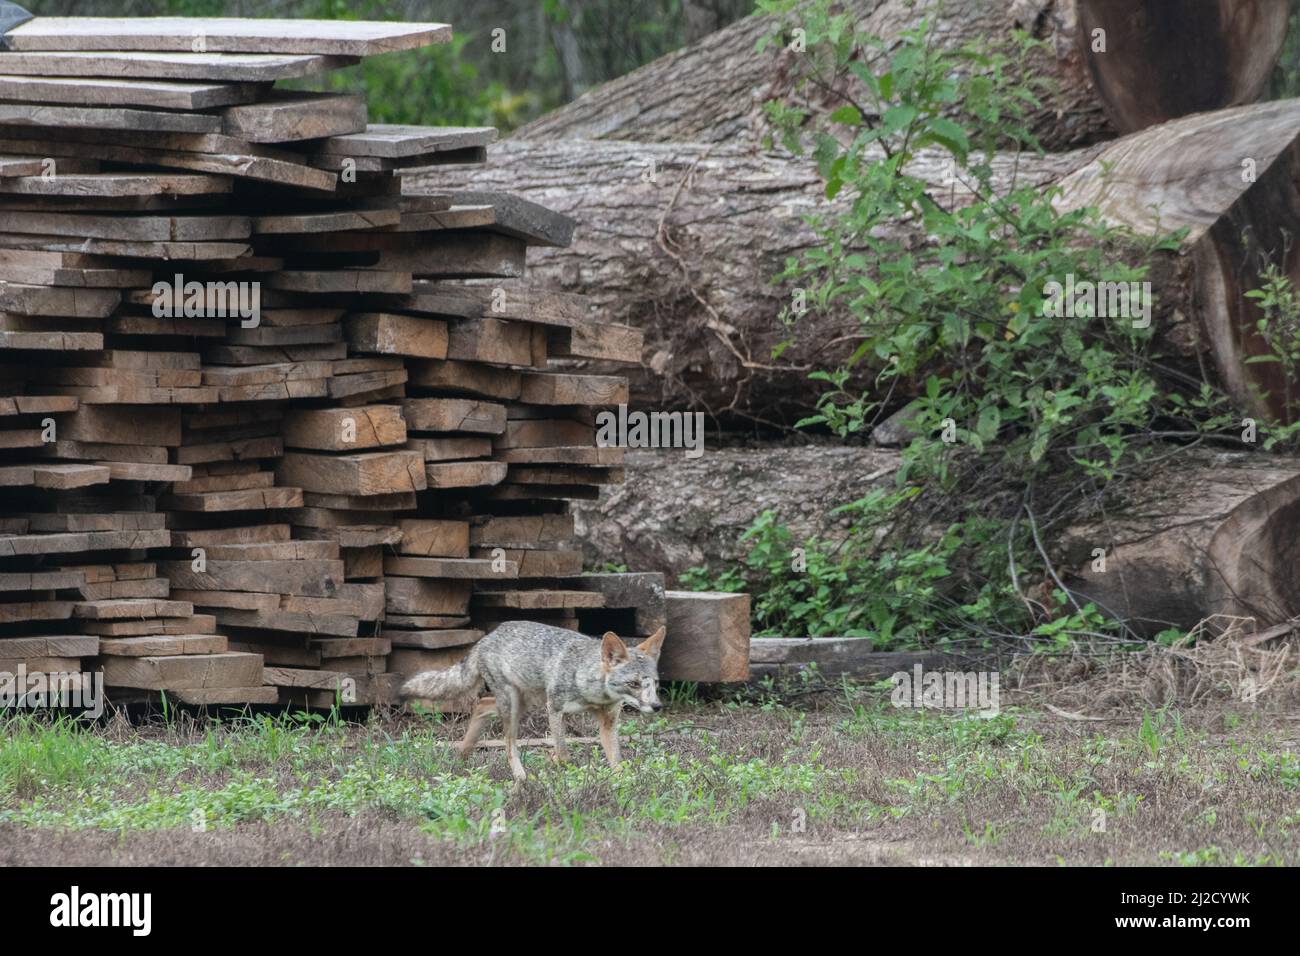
[
  {"x": 612, "y": 650},
  {"x": 651, "y": 646}
]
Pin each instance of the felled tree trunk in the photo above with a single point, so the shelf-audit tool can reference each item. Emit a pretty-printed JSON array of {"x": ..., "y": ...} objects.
[
  {"x": 675, "y": 512},
  {"x": 1204, "y": 535},
  {"x": 1170, "y": 58},
  {"x": 713, "y": 90},
  {"x": 1232, "y": 180},
  {"x": 1162, "y": 59},
  {"x": 683, "y": 240}
]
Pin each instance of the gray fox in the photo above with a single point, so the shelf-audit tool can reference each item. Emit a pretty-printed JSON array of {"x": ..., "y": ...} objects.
[{"x": 524, "y": 663}]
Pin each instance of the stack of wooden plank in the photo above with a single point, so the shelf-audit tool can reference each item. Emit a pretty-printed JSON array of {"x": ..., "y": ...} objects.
[{"x": 271, "y": 428}]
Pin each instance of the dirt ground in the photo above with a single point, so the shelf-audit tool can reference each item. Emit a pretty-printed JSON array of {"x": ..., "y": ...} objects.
[{"x": 830, "y": 778}]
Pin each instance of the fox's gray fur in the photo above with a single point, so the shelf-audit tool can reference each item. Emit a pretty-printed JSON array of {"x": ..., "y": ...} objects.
[{"x": 524, "y": 663}]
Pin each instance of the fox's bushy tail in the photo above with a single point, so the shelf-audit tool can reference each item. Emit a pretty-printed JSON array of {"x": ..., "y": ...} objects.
[{"x": 462, "y": 680}]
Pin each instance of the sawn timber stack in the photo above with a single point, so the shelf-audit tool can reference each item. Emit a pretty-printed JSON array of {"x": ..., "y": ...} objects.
[{"x": 271, "y": 429}]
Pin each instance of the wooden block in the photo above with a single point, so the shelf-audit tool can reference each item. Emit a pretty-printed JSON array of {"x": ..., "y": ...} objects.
[
  {"x": 426, "y": 596},
  {"x": 65, "y": 645},
  {"x": 708, "y": 637},
  {"x": 521, "y": 531},
  {"x": 367, "y": 473},
  {"x": 424, "y": 537},
  {"x": 452, "y": 448},
  {"x": 232, "y": 669},
  {"x": 205, "y": 696},
  {"x": 288, "y": 116},
  {"x": 162, "y": 645},
  {"x": 432, "y": 640},
  {"x": 453, "y": 415},
  {"x": 390, "y": 334},
  {"x": 465, "y": 474},
  {"x": 497, "y": 342},
  {"x": 195, "y": 624},
  {"x": 533, "y": 563},
  {"x": 123, "y": 426},
  {"x": 344, "y": 429},
  {"x": 310, "y": 578},
  {"x": 409, "y": 661},
  {"x": 453, "y": 568},
  {"x": 537, "y": 600},
  {"x": 567, "y": 389},
  {"x": 466, "y": 378}
]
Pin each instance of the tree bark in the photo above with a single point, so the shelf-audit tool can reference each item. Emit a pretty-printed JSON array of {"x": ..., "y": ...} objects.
[
  {"x": 1203, "y": 534},
  {"x": 674, "y": 512},
  {"x": 713, "y": 90}
]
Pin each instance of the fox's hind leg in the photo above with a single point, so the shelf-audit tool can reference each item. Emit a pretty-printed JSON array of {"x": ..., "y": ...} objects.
[
  {"x": 556, "y": 718},
  {"x": 485, "y": 709},
  {"x": 509, "y": 704}
]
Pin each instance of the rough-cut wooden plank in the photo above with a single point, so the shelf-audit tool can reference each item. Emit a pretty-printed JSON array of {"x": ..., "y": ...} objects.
[
  {"x": 708, "y": 637},
  {"x": 453, "y": 448},
  {"x": 389, "y": 334},
  {"x": 231, "y": 669},
  {"x": 367, "y": 473},
  {"x": 147, "y": 93},
  {"x": 566, "y": 389},
  {"x": 398, "y": 142},
  {"x": 465, "y": 474},
  {"x": 226, "y": 35},
  {"x": 457, "y": 568},
  {"x": 432, "y": 538},
  {"x": 466, "y": 378},
  {"x": 55, "y": 645},
  {"x": 289, "y": 116},
  {"x": 453, "y": 415},
  {"x": 162, "y": 645},
  {"x": 225, "y": 67},
  {"x": 537, "y": 600},
  {"x": 432, "y": 640},
  {"x": 426, "y": 596},
  {"x": 24, "y": 114},
  {"x": 310, "y": 578},
  {"x": 113, "y": 185},
  {"x": 345, "y": 429}
]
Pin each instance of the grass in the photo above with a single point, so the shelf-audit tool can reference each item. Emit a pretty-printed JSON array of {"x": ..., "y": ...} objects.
[{"x": 842, "y": 777}]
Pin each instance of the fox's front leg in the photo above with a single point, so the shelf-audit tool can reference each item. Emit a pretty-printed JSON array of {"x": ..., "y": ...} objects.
[
  {"x": 556, "y": 718},
  {"x": 609, "y": 733},
  {"x": 509, "y": 704}
]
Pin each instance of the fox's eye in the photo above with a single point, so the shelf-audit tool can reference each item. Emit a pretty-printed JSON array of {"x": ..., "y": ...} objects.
[{"x": 635, "y": 685}]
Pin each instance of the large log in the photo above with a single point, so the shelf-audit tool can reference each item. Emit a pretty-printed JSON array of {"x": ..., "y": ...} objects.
[
  {"x": 1208, "y": 534},
  {"x": 1202, "y": 534},
  {"x": 674, "y": 512},
  {"x": 1232, "y": 180},
  {"x": 682, "y": 240},
  {"x": 1169, "y": 58},
  {"x": 713, "y": 90},
  {"x": 1163, "y": 59}
]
